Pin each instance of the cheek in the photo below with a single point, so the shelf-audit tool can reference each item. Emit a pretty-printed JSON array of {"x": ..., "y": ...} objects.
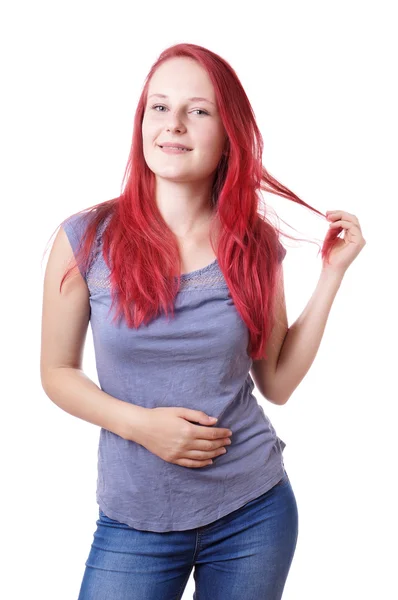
[
  {"x": 211, "y": 146},
  {"x": 213, "y": 138},
  {"x": 149, "y": 138},
  {"x": 148, "y": 127}
]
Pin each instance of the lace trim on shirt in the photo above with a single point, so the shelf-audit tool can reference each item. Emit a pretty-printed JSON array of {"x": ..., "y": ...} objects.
[
  {"x": 98, "y": 273},
  {"x": 209, "y": 277},
  {"x": 98, "y": 279}
]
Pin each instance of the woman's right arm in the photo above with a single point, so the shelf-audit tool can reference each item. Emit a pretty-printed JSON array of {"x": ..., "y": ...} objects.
[{"x": 65, "y": 319}]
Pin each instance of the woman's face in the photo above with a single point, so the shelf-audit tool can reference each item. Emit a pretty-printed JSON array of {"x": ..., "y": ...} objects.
[{"x": 177, "y": 118}]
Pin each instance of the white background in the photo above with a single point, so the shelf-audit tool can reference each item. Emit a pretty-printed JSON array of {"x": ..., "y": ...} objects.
[{"x": 321, "y": 78}]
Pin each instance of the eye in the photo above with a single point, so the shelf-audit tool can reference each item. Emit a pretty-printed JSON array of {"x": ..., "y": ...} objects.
[{"x": 195, "y": 110}]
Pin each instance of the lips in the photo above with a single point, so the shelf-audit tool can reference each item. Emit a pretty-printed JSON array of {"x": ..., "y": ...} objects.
[{"x": 169, "y": 145}]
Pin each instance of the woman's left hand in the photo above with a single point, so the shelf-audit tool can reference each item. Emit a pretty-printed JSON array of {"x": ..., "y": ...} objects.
[{"x": 344, "y": 250}]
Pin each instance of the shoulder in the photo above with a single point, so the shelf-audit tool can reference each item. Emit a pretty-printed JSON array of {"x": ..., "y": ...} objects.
[
  {"x": 281, "y": 252},
  {"x": 75, "y": 226}
]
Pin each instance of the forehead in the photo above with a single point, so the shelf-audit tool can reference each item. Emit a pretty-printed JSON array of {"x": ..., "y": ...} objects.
[{"x": 181, "y": 77}]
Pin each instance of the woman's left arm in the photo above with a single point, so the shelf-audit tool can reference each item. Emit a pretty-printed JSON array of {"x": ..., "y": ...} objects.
[{"x": 302, "y": 340}]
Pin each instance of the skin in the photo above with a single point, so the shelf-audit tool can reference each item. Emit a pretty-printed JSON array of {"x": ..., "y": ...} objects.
[
  {"x": 183, "y": 193},
  {"x": 183, "y": 181}
]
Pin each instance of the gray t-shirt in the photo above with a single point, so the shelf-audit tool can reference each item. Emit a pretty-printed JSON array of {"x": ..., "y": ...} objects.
[{"x": 197, "y": 360}]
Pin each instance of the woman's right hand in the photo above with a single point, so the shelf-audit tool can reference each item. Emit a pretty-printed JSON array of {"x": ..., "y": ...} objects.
[{"x": 169, "y": 433}]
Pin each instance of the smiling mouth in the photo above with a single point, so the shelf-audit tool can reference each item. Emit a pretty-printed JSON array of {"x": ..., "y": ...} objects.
[{"x": 177, "y": 148}]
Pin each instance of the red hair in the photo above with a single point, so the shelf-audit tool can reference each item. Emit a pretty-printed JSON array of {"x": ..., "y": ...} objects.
[{"x": 142, "y": 252}]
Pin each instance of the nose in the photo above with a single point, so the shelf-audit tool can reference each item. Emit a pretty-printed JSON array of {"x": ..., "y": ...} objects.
[{"x": 174, "y": 123}]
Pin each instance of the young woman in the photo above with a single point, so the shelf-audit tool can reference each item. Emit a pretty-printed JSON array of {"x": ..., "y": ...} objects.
[{"x": 181, "y": 279}]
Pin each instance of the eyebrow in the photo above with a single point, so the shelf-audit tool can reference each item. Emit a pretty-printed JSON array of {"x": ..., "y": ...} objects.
[{"x": 193, "y": 99}]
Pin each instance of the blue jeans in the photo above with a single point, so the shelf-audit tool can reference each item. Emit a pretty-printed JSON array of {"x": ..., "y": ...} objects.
[{"x": 245, "y": 554}]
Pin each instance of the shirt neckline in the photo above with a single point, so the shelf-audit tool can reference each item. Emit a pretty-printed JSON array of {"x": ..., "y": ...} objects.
[{"x": 199, "y": 271}]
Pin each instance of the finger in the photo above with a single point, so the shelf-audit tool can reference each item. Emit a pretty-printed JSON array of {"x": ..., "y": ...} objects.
[
  {"x": 211, "y": 433},
  {"x": 209, "y": 446},
  {"x": 341, "y": 214},
  {"x": 353, "y": 227},
  {"x": 335, "y": 213},
  {"x": 351, "y": 230},
  {"x": 342, "y": 223},
  {"x": 193, "y": 464},
  {"x": 204, "y": 454}
]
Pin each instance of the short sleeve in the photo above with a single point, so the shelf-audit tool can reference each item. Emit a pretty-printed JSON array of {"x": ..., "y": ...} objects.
[
  {"x": 74, "y": 228},
  {"x": 281, "y": 252}
]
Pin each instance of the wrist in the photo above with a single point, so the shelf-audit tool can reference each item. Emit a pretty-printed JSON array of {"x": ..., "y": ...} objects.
[
  {"x": 332, "y": 274},
  {"x": 136, "y": 419}
]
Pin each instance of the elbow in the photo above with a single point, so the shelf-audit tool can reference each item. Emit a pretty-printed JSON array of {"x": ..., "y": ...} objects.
[
  {"x": 275, "y": 398},
  {"x": 280, "y": 401},
  {"x": 274, "y": 395}
]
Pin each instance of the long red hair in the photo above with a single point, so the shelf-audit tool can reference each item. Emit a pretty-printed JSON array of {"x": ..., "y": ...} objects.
[{"x": 142, "y": 252}]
